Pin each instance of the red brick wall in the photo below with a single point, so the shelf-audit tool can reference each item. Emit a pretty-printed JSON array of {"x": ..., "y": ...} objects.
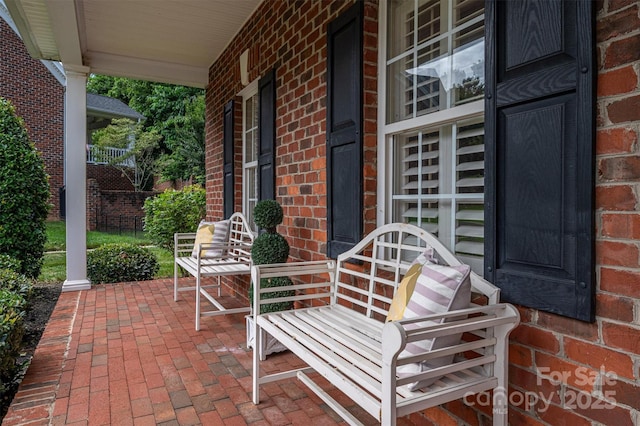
[
  {"x": 108, "y": 177},
  {"x": 291, "y": 36},
  {"x": 109, "y": 209},
  {"x": 39, "y": 100},
  {"x": 93, "y": 204},
  {"x": 584, "y": 360},
  {"x": 122, "y": 210}
]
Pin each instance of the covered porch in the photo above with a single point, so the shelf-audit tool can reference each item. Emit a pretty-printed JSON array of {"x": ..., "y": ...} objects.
[
  {"x": 127, "y": 354},
  {"x": 175, "y": 44}
]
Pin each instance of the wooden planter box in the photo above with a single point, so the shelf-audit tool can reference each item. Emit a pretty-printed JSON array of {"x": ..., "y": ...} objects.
[{"x": 269, "y": 343}]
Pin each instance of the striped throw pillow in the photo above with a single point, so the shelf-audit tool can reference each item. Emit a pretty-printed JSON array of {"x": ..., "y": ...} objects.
[
  {"x": 211, "y": 232},
  {"x": 431, "y": 289}
]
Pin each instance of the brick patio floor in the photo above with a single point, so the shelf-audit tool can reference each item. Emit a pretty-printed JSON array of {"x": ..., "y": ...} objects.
[{"x": 127, "y": 354}]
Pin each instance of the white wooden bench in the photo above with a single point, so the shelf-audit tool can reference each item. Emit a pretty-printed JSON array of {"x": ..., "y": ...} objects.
[
  {"x": 235, "y": 259},
  {"x": 338, "y": 329}
]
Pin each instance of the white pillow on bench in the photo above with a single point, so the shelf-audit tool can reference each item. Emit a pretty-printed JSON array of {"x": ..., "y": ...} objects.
[
  {"x": 429, "y": 288},
  {"x": 211, "y": 232}
]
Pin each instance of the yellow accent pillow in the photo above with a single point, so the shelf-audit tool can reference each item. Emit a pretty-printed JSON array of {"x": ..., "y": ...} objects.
[
  {"x": 210, "y": 232},
  {"x": 404, "y": 292}
]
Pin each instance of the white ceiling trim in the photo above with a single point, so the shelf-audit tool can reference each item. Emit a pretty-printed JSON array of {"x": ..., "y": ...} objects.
[
  {"x": 4, "y": 14},
  {"x": 31, "y": 18},
  {"x": 55, "y": 68},
  {"x": 62, "y": 15},
  {"x": 171, "y": 41},
  {"x": 164, "y": 72}
]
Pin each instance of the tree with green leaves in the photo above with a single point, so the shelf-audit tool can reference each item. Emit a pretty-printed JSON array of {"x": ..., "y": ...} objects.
[
  {"x": 138, "y": 163},
  {"x": 186, "y": 158},
  {"x": 175, "y": 112}
]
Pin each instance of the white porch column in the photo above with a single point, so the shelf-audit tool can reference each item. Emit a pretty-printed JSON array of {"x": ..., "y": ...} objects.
[{"x": 75, "y": 178}]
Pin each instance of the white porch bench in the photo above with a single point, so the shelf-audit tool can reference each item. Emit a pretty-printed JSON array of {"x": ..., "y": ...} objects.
[
  {"x": 234, "y": 259},
  {"x": 338, "y": 329}
]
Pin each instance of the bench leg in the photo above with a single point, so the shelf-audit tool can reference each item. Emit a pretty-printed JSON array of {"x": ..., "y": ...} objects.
[
  {"x": 501, "y": 371},
  {"x": 175, "y": 281},
  {"x": 500, "y": 399},
  {"x": 198, "y": 302},
  {"x": 257, "y": 344},
  {"x": 388, "y": 413}
]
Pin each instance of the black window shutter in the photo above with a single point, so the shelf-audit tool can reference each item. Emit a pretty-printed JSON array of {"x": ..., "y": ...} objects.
[
  {"x": 539, "y": 154},
  {"x": 344, "y": 131},
  {"x": 228, "y": 175},
  {"x": 267, "y": 141}
]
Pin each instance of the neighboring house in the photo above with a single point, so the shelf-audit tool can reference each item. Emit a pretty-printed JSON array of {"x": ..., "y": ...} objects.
[
  {"x": 36, "y": 89},
  {"x": 100, "y": 111},
  {"x": 483, "y": 125}
]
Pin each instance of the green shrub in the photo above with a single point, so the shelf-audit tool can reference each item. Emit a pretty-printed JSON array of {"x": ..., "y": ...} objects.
[
  {"x": 115, "y": 263},
  {"x": 173, "y": 211},
  {"x": 270, "y": 247},
  {"x": 8, "y": 262},
  {"x": 16, "y": 283},
  {"x": 13, "y": 302},
  {"x": 24, "y": 191}
]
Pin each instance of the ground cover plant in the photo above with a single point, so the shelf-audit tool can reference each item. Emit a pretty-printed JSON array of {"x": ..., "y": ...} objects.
[{"x": 15, "y": 291}]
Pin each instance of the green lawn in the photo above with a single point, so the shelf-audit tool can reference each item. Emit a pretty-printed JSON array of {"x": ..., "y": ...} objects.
[
  {"x": 54, "y": 266},
  {"x": 56, "y": 238}
]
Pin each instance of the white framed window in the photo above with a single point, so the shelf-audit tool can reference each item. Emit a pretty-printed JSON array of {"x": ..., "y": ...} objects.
[
  {"x": 250, "y": 137},
  {"x": 431, "y": 132}
]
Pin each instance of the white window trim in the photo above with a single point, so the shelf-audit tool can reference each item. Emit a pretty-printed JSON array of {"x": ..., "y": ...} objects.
[
  {"x": 386, "y": 132},
  {"x": 250, "y": 90},
  {"x": 383, "y": 138}
]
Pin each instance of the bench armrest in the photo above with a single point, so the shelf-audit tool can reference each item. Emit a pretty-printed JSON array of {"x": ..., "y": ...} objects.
[
  {"x": 491, "y": 324},
  {"x": 183, "y": 243},
  {"x": 291, "y": 269}
]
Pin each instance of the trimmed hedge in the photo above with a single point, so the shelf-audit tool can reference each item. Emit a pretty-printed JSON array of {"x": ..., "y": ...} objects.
[
  {"x": 24, "y": 191},
  {"x": 115, "y": 263}
]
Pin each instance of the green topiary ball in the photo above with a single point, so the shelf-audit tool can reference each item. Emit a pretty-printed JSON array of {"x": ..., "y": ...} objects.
[
  {"x": 270, "y": 248},
  {"x": 268, "y": 214}
]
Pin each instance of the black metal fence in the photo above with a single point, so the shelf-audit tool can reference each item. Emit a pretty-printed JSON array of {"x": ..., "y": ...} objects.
[{"x": 120, "y": 224}]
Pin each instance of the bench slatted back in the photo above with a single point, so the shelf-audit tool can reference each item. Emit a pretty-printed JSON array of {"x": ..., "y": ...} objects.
[
  {"x": 368, "y": 275},
  {"x": 240, "y": 236}
]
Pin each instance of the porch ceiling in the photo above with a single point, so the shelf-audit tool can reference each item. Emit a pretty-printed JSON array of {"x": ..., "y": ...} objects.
[{"x": 172, "y": 41}]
